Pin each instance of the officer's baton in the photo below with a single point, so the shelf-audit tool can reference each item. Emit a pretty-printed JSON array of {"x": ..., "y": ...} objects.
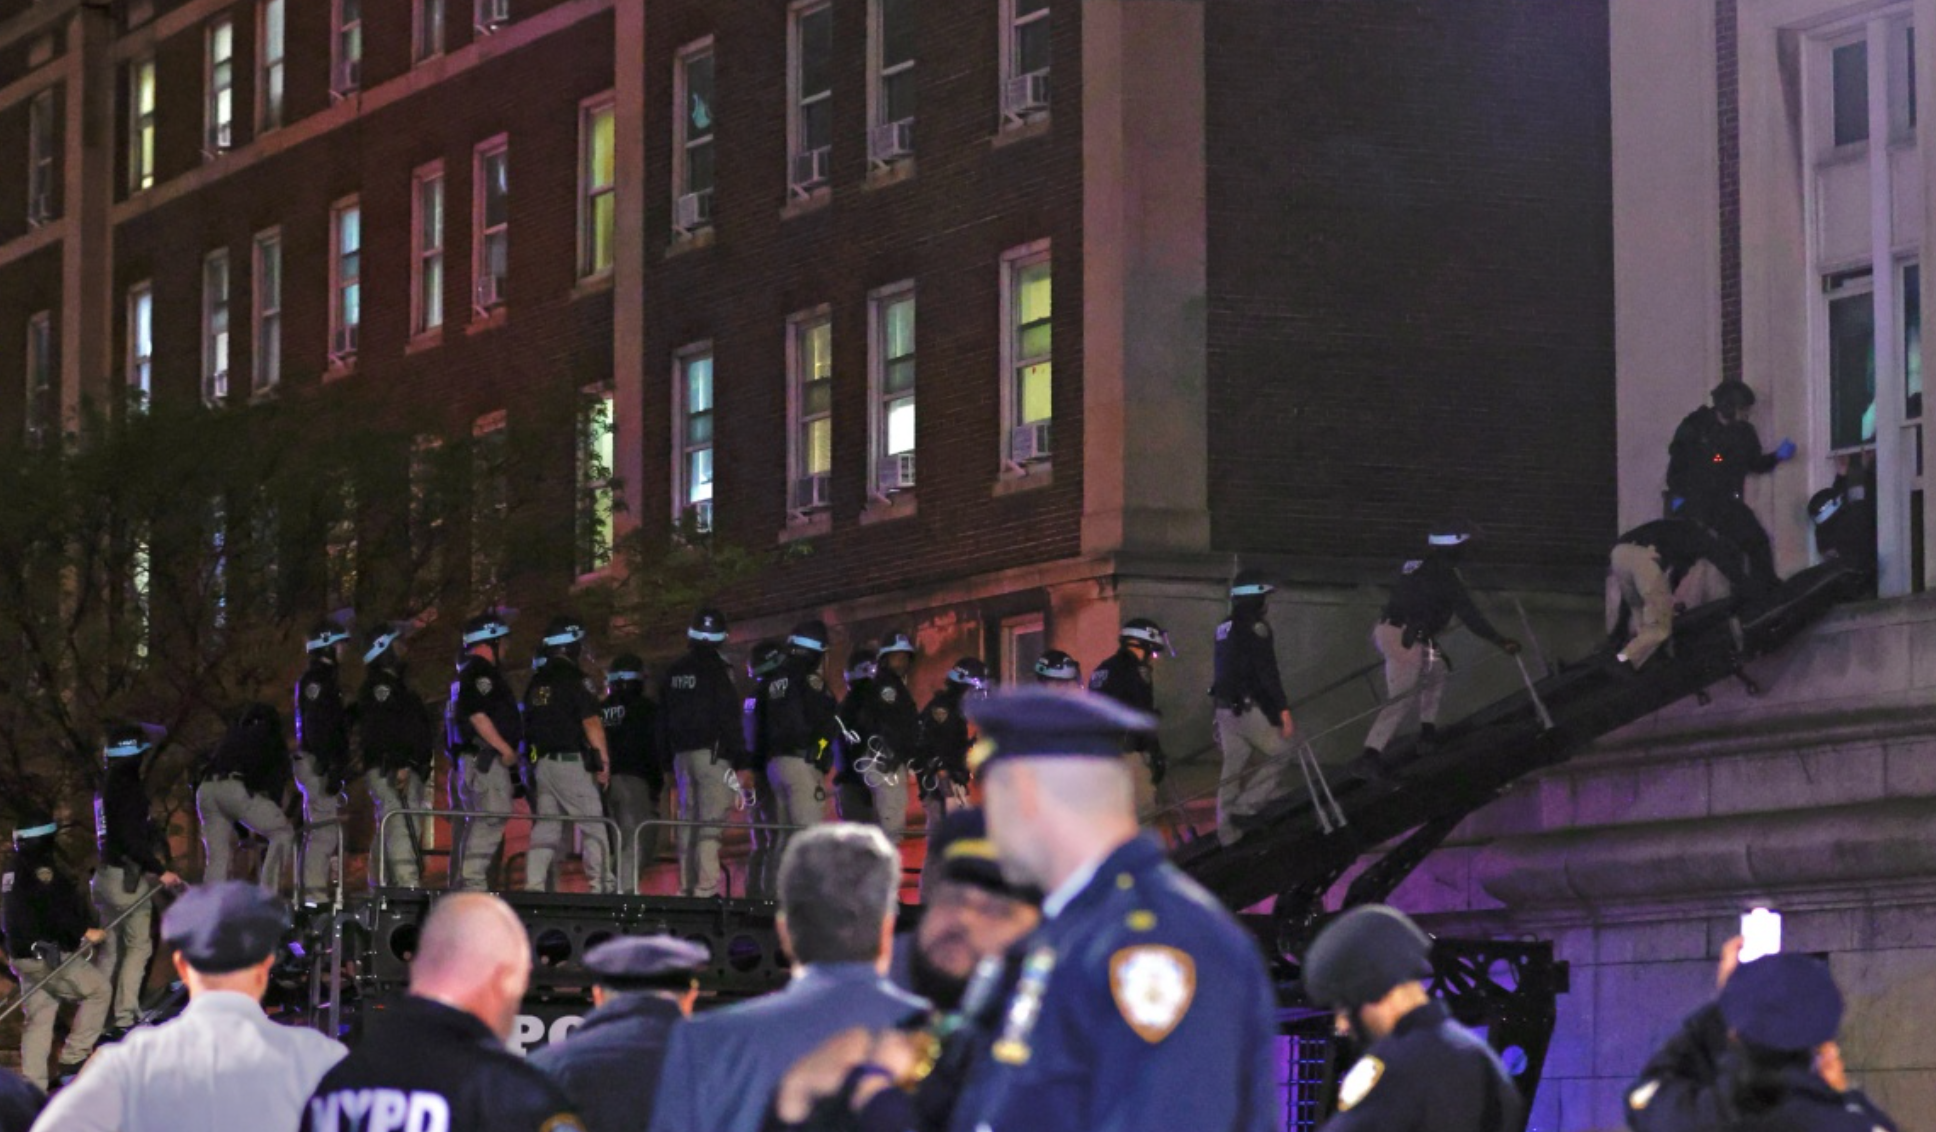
[
  {"x": 1539, "y": 705},
  {"x": 1532, "y": 638},
  {"x": 80, "y": 953}
]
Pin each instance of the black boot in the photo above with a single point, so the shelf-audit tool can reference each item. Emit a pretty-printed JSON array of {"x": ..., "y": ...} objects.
[{"x": 1370, "y": 766}]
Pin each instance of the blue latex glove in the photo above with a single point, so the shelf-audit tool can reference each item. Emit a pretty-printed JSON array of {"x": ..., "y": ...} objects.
[{"x": 1785, "y": 450}]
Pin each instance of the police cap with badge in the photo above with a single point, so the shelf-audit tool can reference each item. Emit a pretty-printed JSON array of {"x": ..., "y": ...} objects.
[
  {"x": 230, "y": 926},
  {"x": 960, "y": 852},
  {"x": 647, "y": 963}
]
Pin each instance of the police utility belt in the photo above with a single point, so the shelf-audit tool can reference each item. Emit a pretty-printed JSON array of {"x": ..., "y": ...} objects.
[
  {"x": 1238, "y": 706},
  {"x": 567, "y": 756}
]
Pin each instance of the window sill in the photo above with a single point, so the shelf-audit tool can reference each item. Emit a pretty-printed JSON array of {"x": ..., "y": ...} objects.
[
  {"x": 813, "y": 525},
  {"x": 1011, "y": 133},
  {"x": 499, "y": 315},
  {"x": 593, "y": 285},
  {"x": 337, "y": 371},
  {"x": 900, "y": 505},
  {"x": 428, "y": 340},
  {"x": 1033, "y": 477},
  {"x": 266, "y": 395},
  {"x": 812, "y": 202},
  {"x": 884, "y": 176},
  {"x": 683, "y": 242}
]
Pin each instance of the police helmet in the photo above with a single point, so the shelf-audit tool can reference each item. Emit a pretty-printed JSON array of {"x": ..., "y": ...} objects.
[
  {"x": 1360, "y": 956},
  {"x": 765, "y": 659},
  {"x": 627, "y": 668},
  {"x": 708, "y": 625},
  {"x": 1828, "y": 502},
  {"x": 1734, "y": 395},
  {"x": 488, "y": 626},
  {"x": 324, "y": 636},
  {"x": 896, "y": 641},
  {"x": 36, "y": 829},
  {"x": 379, "y": 641},
  {"x": 860, "y": 665},
  {"x": 564, "y": 634},
  {"x": 969, "y": 672},
  {"x": 1057, "y": 667},
  {"x": 810, "y": 636},
  {"x": 126, "y": 740},
  {"x": 1249, "y": 583},
  {"x": 1142, "y": 631},
  {"x": 1452, "y": 532}
]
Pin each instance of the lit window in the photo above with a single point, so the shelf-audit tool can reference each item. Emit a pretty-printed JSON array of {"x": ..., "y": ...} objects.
[
  {"x": 490, "y": 506},
  {"x": 692, "y": 408},
  {"x": 268, "y": 310},
  {"x": 490, "y": 15},
  {"x": 215, "y": 327},
  {"x": 692, "y": 129},
  {"x": 891, "y": 374},
  {"x": 1023, "y": 640},
  {"x": 141, "y": 124},
  {"x": 346, "y": 280},
  {"x": 42, "y": 395},
  {"x": 427, "y": 39},
  {"x": 269, "y": 65},
  {"x": 810, "y": 126},
  {"x": 597, "y": 178},
  {"x": 491, "y": 224},
  {"x": 346, "y": 47},
  {"x": 141, "y": 344},
  {"x": 41, "y": 148},
  {"x": 1028, "y": 389},
  {"x": 1025, "y": 59},
  {"x": 810, "y": 407},
  {"x": 595, "y": 496},
  {"x": 891, "y": 61},
  {"x": 219, "y": 108},
  {"x": 427, "y": 262}
]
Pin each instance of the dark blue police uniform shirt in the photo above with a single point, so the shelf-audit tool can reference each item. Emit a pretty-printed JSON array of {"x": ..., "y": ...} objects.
[
  {"x": 610, "y": 1064},
  {"x": 1430, "y": 1074},
  {"x": 1142, "y": 1005}
]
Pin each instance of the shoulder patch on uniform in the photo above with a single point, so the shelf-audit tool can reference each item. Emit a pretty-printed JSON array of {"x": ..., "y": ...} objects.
[
  {"x": 1358, "y": 1084},
  {"x": 1261, "y": 628},
  {"x": 382, "y": 693},
  {"x": 6, "y": 881},
  {"x": 889, "y": 695},
  {"x": 44, "y": 875},
  {"x": 815, "y": 682},
  {"x": 312, "y": 692},
  {"x": 940, "y": 714},
  {"x": 777, "y": 688},
  {"x": 1153, "y": 987},
  {"x": 563, "y": 1122},
  {"x": 483, "y": 685},
  {"x": 1642, "y": 1095}
]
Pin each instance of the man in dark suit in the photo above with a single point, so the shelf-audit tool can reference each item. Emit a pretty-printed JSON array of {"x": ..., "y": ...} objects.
[
  {"x": 609, "y": 1067},
  {"x": 837, "y": 902}
]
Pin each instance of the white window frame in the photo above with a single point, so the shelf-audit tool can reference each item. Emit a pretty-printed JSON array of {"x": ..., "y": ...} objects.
[
  {"x": 345, "y": 47},
  {"x": 271, "y": 63},
  {"x": 683, "y": 143},
  {"x": 1014, "y": 628},
  {"x": 682, "y": 447},
  {"x": 218, "y": 87},
  {"x": 590, "y": 194},
  {"x": 41, "y": 153},
  {"x": 218, "y": 287},
  {"x": 141, "y": 124},
  {"x": 427, "y": 252},
  {"x": 596, "y": 492},
  {"x": 879, "y": 302},
  {"x": 490, "y": 16},
  {"x": 879, "y": 72},
  {"x": 799, "y": 325},
  {"x": 1013, "y": 262},
  {"x": 480, "y": 235},
  {"x": 141, "y": 343},
  {"x": 42, "y": 377},
  {"x": 266, "y": 317},
  {"x": 798, "y": 100},
  {"x": 429, "y": 27},
  {"x": 1011, "y": 32},
  {"x": 343, "y": 354}
]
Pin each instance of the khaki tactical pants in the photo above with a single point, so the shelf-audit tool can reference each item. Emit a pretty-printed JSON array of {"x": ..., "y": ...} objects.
[
  {"x": 1256, "y": 757},
  {"x": 1636, "y": 582},
  {"x": 798, "y": 792},
  {"x": 322, "y": 813},
  {"x": 634, "y": 802},
  {"x": 484, "y": 794},
  {"x": 704, "y": 798},
  {"x": 81, "y": 983},
  {"x": 1406, "y": 668},
  {"x": 402, "y": 869},
  {"x": 124, "y": 956},
  {"x": 221, "y": 803},
  {"x": 564, "y": 786}
]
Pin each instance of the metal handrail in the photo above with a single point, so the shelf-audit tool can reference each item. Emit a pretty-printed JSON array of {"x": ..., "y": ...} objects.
[
  {"x": 382, "y": 858},
  {"x": 81, "y": 952}
]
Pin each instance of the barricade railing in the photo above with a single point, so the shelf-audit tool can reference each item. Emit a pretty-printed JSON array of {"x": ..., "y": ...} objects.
[
  {"x": 380, "y": 857},
  {"x": 751, "y": 826}
]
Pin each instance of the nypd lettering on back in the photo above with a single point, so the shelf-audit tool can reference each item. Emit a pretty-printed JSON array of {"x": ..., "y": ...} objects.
[{"x": 379, "y": 1110}]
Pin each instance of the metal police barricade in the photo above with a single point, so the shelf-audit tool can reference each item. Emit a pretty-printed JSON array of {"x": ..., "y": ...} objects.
[
  {"x": 83, "y": 952},
  {"x": 380, "y": 859},
  {"x": 753, "y": 828}
]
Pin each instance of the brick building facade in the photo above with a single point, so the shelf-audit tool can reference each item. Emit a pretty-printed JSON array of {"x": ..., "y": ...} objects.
[{"x": 1188, "y": 281}]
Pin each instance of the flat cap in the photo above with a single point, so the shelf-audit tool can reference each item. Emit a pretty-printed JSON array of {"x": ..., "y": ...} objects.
[
  {"x": 1360, "y": 956},
  {"x": 1784, "y": 1002},
  {"x": 1035, "y": 723},
  {"x": 645, "y": 961},
  {"x": 960, "y": 851},
  {"x": 225, "y": 927}
]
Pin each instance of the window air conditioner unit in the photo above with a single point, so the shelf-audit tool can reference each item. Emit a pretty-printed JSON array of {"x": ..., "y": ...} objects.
[
  {"x": 812, "y": 493},
  {"x": 217, "y": 389},
  {"x": 221, "y": 138},
  {"x": 348, "y": 77},
  {"x": 1029, "y": 443},
  {"x": 1026, "y": 94},
  {"x": 896, "y": 473},
  {"x": 693, "y": 211},
  {"x": 810, "y": 170},
  {"x": 342, "y": 343},
  {"x": 890, "y": 141},
  {"x": 702, "y": 514},
  {"x": 490, "y": 292},
  {"x": 492, "y": 15}
]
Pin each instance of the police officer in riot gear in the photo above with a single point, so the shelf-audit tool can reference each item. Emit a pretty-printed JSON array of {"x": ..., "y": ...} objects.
[
  {"x": 853, "y": 801},
  {"x": 1128, "y": 677},
  {"x": 131, "y": 864},
  {"x": 1253, "y": 717},
  {"x": 763, "y": 664},
  {"x": 46, "y": 919},
  {"x": 1428, "y": 594},
  {"x": 638, "y": 773},
  {"x": 945, "y": 739},
  {"x": 393, "y": 731},
  {"x": 482, "y": 731},
  {"x": 1421, "y": 1071},
  {"x": 704, "y": 740},
  {"x": 245, "y": 781},
  {"x": 893, "y": 726},
  {"x": 322, "y": 760},
  {"x": 1713, "y": 453},
  {"x": 799, "y": 726},
  {"x": 570, "y": 761},
  {"x": 1058, "y": 671},
  {"x": 1844, "y": 516}
]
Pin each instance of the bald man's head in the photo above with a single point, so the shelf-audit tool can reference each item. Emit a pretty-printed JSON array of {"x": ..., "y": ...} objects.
[{"x": 473, "y": 954}]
